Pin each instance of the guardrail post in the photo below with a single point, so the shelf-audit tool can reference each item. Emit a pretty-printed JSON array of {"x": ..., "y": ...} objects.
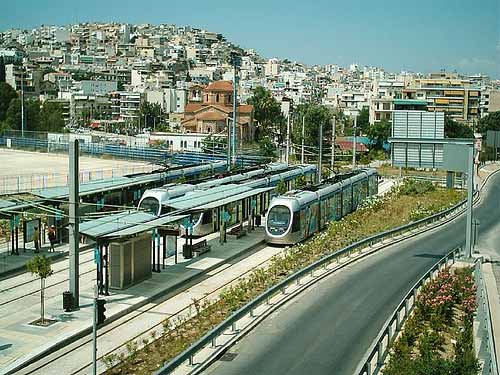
[
  {"x": 407, "y": 308},
  {"x": 390, "y": 333},
  {"x": 398, "y": 320},
  {"x": 214, "y": 342},
  {"x": 233, "y": 327},
  {"x": 368, "y": 368},
  {"x": 190, "y": 360},
  {"x": 251, "y": 314},
  {"x": 380, "y": 352}
]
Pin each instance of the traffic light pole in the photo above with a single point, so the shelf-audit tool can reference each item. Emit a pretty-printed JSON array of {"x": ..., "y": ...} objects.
[{"x": 94, "y": 334}]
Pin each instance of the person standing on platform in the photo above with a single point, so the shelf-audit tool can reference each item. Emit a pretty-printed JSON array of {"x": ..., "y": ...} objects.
[
  {"x": 36, "y": 239},
  {"x": 52, "y": 237}
]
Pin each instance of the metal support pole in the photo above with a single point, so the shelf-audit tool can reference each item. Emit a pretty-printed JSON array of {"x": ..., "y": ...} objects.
[
  {"x": 333, "y": 142},
  {"x": 235, "y": 98},
  {"x": 320, "y": 157},
  {"x": 470, "y": 189},
  {"x": 287, "y": 156},
  {"x": 228, "y": 145},
  {"x": 74, "y": 232},
  {"x": 94, "y": 334},
  {"x": 354, "y": 143},
  {"x": 22, "y": 103},
  {"x": 303, "y": 134}
]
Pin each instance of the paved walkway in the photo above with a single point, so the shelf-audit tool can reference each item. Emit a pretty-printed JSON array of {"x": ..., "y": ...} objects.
[{"x": 19, "y": 341}]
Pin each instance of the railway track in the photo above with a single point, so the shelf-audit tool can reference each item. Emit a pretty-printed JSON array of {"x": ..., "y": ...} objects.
[{"x": 111, "y": 329}]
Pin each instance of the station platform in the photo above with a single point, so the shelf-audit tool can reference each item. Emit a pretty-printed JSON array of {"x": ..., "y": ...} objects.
[{"x": 21, "y": 343}]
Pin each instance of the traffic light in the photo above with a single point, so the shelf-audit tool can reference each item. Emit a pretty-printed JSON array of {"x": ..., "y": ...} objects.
[{"x": 100, "y": 311}]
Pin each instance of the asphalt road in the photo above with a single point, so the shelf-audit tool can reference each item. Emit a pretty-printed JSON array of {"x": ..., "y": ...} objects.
[{"x": 328, "y": 329}]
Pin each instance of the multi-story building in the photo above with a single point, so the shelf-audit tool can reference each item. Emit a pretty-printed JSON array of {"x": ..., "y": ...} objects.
[
  {"x": 125, "y": 106},
  {"x": 447, "y": 93},
  {"x": 382, "y": 100}
]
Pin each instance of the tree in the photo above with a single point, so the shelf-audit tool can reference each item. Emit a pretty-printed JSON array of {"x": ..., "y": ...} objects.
[
  {"x": 363, "y": 121},
  {"x": 7, "y": 93},
  {"x": 489, "y": 122},
  {"x": 51, "y": 117},
  {"x": 281, "y": 187},
  {"x": 454, "y": 129},
  {"x": 378, "y": 134},
  {"x": 267, "y": 147},
  {"x": 2, "y": 69},
  {"x": 267, "y": 114},
  {"x": 149, "y": 112},
  {"x": 31, "y": 110},
  {"x": 313, "y": 116},
  {"x": 212, "y": 144},
  {"x": 40, "y": 266}
]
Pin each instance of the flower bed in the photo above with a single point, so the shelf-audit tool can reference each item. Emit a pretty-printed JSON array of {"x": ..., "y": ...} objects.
[
  {"x": 373, "y": 216},
  {"x": 437, "y": 339}
]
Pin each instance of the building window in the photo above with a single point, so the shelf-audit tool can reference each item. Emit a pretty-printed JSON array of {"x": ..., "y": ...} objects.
[
  {"x": 217, "y": 98},
  {"x": 377, "y": 116}
]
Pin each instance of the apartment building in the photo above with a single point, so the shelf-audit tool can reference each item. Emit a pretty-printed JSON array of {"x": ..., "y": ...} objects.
[
  {"x": 447, "y": 93},
  {"x": 382, "y": 101}
]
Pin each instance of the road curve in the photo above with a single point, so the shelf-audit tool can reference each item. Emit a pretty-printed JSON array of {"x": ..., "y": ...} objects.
[{"x": 327, "y": 329}]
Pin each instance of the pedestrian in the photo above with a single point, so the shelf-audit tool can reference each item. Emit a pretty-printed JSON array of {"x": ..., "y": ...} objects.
[
  {"x": 52, "y": 237},
  {"x": 36, "y": 239}
]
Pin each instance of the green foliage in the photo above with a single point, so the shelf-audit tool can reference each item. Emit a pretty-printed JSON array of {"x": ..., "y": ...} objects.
[
  {"x": 267, "y": 147},
  {"x": 363, "y": 121},
  {"x": 313, "y": 116},
  {"x": 411, "y": 186},
  {"x": 51, "y": 117},
  {"x": 454, "y": 129},
  {"x": 378, "y": 133},
  {"x": 7, "y": 94},
  {"x": 39, "y": 265},
  {"x": 490, "y": 122},
  {"x": 300, "y": 182},
  {"x": 267, "y": 114},
  {"x": 149, "y": 112},
  {"x": 214, "y": 144},
  {"x": 281, "y": 187},
  {"x": 31, "y": 110}
]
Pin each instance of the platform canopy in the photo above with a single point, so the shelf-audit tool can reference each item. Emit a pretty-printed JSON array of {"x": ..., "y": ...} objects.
[
  {"x": 125, "y": 224},
  {"x": 233, "y": 198}
]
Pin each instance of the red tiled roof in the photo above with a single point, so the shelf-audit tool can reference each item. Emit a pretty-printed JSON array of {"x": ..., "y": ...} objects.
[
  {"x": 347, "y": 146},
  {"x": 220, "y": 86},
  {"x": 195, "y": 107},
  {"x": 211, "y": 116}
]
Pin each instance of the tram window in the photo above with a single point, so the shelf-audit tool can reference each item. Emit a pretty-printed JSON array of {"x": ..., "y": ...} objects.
[
  {"x": 278, "y": 219},
  {"x": 207, "y": 217},
  {"x": 296, "y": 221}
]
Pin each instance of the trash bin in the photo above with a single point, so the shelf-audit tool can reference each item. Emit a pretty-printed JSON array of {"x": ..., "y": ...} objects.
[
  {"x": 67, "y": 301},
  {"x": 187, "y": 251}
]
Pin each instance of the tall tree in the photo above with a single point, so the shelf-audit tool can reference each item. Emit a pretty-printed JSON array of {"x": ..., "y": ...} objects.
[
  {"x": 454, "y": 129},
  {"x": 363, "y": 121},
  {"x": 378, "y": 133},
  {"x": 489, "y": 122},
  {"x": 51, "y": 117},
  {"x": 2, "y": 69},
  {"x": 31, "y": 110},
  {"x": 313, "y": 116},
  {"x": 7, "y": 93},
  {"x": 267, "y": 114}
]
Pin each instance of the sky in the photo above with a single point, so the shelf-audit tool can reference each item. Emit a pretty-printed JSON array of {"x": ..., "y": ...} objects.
[{"x": 419, "y": 36}]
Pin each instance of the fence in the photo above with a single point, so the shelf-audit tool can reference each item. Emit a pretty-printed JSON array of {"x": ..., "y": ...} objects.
[
  {"x": 30, "y": 182},
  {"x": 380, "y": 347},
  {"x": 230, "y": 323},
  {"x": 484, "y": 334},
  {"x": 149, "y": 154}
]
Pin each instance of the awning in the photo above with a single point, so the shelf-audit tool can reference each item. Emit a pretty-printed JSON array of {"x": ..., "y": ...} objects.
[
  {"x": 234, "y": 198},
  {"x": 145, "y": 227}
]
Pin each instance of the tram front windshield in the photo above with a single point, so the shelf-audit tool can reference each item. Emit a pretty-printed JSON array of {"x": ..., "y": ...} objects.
[
  {"x": 278, "y": 219},
  {"x": 150, "y": 205}
]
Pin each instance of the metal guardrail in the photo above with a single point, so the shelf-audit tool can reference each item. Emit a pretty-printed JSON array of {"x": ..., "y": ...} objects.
[
  {"x": 487, "y": 352},
  {"x": 379, "y": 349},
  {"x": 210, "y": 337}
]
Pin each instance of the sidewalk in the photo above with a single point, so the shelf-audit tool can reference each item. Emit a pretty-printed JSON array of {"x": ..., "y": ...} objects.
[{"x": 22, "y": 342}]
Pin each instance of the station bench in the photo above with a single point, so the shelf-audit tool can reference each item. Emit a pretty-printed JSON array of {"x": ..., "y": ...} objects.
[
  {"x": 238, "y": 232},
  {"x": 199, "y": 248}
]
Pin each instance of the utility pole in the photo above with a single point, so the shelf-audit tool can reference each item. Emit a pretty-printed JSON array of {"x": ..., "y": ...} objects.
[
  {"x": 228, "y": 145},
  {"x": 333, "y": 142},
  {"x": 236, "y": 63},
  {"x": 354, "y": 143},
  {"x": 470, "y": 191},
  {"x": 94, "y": 333},
  {"x": 22, "y": 102},
  {"x": 303, "y": 135},
  {"x": 287, "y": 156},
  {"x": 74, "y": 232},
  {"x": 320, "y": 158}
]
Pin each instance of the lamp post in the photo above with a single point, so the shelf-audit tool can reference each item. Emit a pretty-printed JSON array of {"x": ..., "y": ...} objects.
[
  {"x": 354, "y": 143},
  {"x": 303, "y": 134},
  {"x": 236, "y": 62}
]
